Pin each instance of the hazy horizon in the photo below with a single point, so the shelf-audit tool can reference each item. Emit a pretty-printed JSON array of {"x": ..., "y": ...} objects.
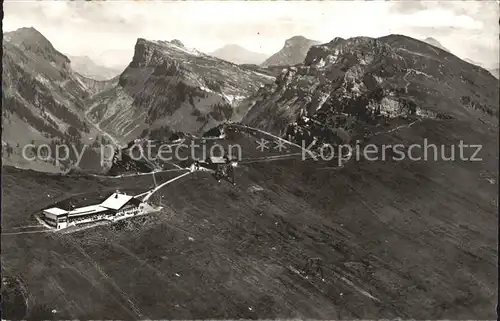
[{"x": 468, "y": 29}]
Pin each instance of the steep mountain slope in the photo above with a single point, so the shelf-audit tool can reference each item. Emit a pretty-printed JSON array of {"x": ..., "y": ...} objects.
[
  {"x": 172, "y": 87},
  {"x": 435, "y": 43},
  {"x": 43, "y": 103},
  {"x": 397, "y": 239},
  {"x": 88, "y": 68},
  {"x": 293, "y": 52},
  {"x": 495, "y": 72},
  {"x": 352, "y": 84},
  {"x": 239, "y": 55}
]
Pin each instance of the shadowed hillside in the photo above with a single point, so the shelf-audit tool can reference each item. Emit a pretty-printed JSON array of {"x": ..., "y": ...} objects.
[
  {"x": 355, "y": 85},
  {"x": 388, "y": 233}
]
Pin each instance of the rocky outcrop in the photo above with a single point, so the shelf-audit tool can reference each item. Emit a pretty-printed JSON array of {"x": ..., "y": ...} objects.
[
  {"x": 169, "y": 85},
  {"x": 127, "y": 161},
  {"x": 361, "y": 80},
  {"x": 293, "y": 52},
  {"x": 433, "y": 42}
]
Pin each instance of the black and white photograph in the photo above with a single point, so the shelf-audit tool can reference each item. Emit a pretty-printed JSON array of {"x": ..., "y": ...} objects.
[{"x": 250, "y": 160}]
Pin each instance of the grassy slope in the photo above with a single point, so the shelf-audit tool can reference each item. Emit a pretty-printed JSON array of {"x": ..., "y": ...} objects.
[{"x": 420, "y": 237}]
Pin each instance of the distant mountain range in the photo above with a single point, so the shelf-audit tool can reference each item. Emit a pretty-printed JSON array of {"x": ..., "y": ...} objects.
[
  {"x": 493, "y": 71},
  {"x": 88, "y": 68},
  {"x": 293, "y": 52},
  {"x": 239, "y": 55},
  {"x": 435, "y": 43}
]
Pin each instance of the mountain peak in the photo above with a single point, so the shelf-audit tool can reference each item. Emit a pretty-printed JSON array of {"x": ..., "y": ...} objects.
[
  {"x": 143, "y": 53},
  {"x": 177, "y": 43},
  {"x": 31, "y": 40},
  {"x": 293, "y": 52},
  {"x": 435, "y": 43},
  {"x": 26, "y": 31},
  {"x": 391, "y": 76},
  {"x": 175, "y": 88},
  {"x": 298, "y": 40},
  {"x": 80, "y": 58},
  {"x": 472, "y": 62}
]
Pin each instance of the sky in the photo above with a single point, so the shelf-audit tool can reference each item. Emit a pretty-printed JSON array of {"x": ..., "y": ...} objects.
[{"x": 106, "y": 31}]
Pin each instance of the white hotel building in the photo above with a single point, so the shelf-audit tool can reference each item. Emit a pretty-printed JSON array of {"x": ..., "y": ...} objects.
[{"x": 114, "y": 207}]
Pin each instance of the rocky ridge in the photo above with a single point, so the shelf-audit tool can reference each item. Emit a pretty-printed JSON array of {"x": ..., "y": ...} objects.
[
  {"x": 348, "y": 85},
  {"x": 88, "y": 68},
  {"x": 293, "y": 52}
]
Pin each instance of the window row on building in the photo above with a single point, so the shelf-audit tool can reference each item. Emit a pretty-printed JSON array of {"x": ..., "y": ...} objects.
[{"x": 117, "y": 204}]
